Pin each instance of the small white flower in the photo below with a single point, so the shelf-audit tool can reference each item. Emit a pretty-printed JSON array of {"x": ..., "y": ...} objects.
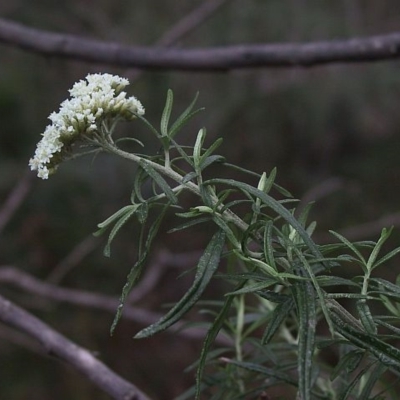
[{"x": 98, "y": 98}]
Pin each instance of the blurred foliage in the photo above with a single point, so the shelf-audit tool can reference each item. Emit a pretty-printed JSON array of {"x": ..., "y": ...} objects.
[{"x": 313, "y": 124}]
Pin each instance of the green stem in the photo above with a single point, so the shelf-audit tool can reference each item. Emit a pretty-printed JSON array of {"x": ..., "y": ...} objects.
[{"x": 169, "y": 172}]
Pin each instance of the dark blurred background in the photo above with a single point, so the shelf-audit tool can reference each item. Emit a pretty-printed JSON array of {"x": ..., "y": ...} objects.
[{"x": 332, "y": 132}]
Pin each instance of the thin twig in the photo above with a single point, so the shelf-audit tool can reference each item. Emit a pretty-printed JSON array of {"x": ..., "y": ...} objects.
[
  {"x": 190, "y": 22},
  {"x": 15, "y": 198},
  {"x": 184, "y": 26},
  {"x": 355, "y": 50},
  {"x": 59, "y": 346},
  {"x": 77, "y": 254}
]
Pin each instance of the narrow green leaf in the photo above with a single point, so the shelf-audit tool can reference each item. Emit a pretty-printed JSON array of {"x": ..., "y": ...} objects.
[
  {"x": 387, "y": 257},
  {"x": 189, "y": 224},
  {"x": 374, "y": 254},
  {"x": 272, "y": 373},
  {"x": 228, "y": 231},
  {"x": 198, "y": 146},
  {"x": 140, "y": 177},
  {"x": 328, "y": 280},
  {"x": 184, "y": 117},
  {"x": 366, "y": 317},
  {"x": 210, "y": 337},
  {"x": 116, "y": 216},
  {"x": 161, "y": 182},
  {"x": 149, "y": 125},
  {"x": 206, "y": 267},
  {"x": 304, "y": 296},
  {"x": 182, "y": 153},
  {"x": 392, "y": 328},
  {"x": 384, "y": 352},
  {"x": 344, "y": 395},
  {"x": 253, "y": 288},
  {"x": 273, "y": 297},
  {"x": 129, "y": 139},
  {"x": 268, "y": 247},
  {"x": 166, "y": 113},
  {"x": 188, "y": 177},
  {"x": 121, "y": 222},
  {"x": 279, "y": 315},
  {"x": 211, "y": 149},
  {"x": 350, "y": 246},
  {"x": 210, "y": 160},
  {"x": 277, "y": 207},
  {"x": 347, "y": 364},
  {"x": 136, "y": 270},
  {"x": 373, "y": 378},
  {"x": 270, "y": 181}
]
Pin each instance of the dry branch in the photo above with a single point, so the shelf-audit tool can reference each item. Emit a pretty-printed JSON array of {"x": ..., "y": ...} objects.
[
  {"x": 30, "y": 284},
  {"x": 374, "y": 48},
  {"x": 62, "y": 348}
]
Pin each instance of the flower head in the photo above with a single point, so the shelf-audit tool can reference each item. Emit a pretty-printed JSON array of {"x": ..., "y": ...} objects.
[{"x": 99, "y": 98}]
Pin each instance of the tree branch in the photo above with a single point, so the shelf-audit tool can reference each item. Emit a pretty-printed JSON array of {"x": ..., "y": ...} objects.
[
  {"x": 80, "y": 358},
  {"x": 374, "y": 48},
  {"x": 82, "y": 298},
  {"x": 15, "y": 198}
]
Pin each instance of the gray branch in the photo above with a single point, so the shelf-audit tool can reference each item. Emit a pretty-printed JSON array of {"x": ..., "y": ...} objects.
[
  {"x": 374, "y": 48},
  {"x": 62, "y": 348}
]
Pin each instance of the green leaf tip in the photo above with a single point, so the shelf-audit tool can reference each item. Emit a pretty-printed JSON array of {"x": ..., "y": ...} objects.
[{"x": 206, "y": 267}]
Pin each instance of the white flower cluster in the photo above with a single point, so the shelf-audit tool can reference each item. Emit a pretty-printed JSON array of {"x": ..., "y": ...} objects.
[{"x": 92, "y": 101}]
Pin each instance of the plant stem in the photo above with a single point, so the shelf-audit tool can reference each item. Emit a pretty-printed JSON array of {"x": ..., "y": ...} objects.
[{"x": 169, "y": 172}]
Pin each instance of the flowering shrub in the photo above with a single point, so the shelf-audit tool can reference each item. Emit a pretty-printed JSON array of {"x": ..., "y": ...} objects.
[{"x": 284, "y": 307}]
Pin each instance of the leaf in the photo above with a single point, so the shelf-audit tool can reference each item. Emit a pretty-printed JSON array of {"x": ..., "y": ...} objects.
[
  {"x": 373, "y": 378},
  {"x": 211, "y": 150},
  {"x": 347, "y": 390},
  {"x": 210, "y": 337},
  {"x": 272, "y": 373},
  {"x": 387, "y": 257},
  {"x": 280, "y": 313},
  {"x": 274, "y": 205},
  {"x": 189, "y": 224},
  {"x": 135, "y": 271},
  {"x": 210, "y": 160},
  {"x": 254, "y": 287},
  {"x": 349, "y": 245},
  {"x": 184, "y": 117},
  {"x": 142, "y": 212},
  {"x": 347, "y": 363},
  {"x": 198, "y": 146},
  {"x": 121, "y": 222},
  {"x": 384, "y": 352},
  {"x": 116, "y": 216},
  {"x": 366, "y": 317},
  {"x": 206, "y": 267},
  {"x": 374, "y": 254},
  {"x": 166, "y": 113},
  {"x": 304, "y": 297},
  {"x": 140, "y": 177},
  {"x": 268, "y": 247},
  {"x": 161, "y": 182},
  {"x": 328, "y": 280}
]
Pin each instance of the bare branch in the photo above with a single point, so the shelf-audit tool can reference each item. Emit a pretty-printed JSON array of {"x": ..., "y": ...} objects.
[
  {"x": 82, "y": 298},
  {"x": 15, "y": 199},
  {"x": 374, "y": 48},
  {"x": 64, "y": 349}
]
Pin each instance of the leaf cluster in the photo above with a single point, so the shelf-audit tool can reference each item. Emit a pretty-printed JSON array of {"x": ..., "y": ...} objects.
[{"x": 288, "y": 301}]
